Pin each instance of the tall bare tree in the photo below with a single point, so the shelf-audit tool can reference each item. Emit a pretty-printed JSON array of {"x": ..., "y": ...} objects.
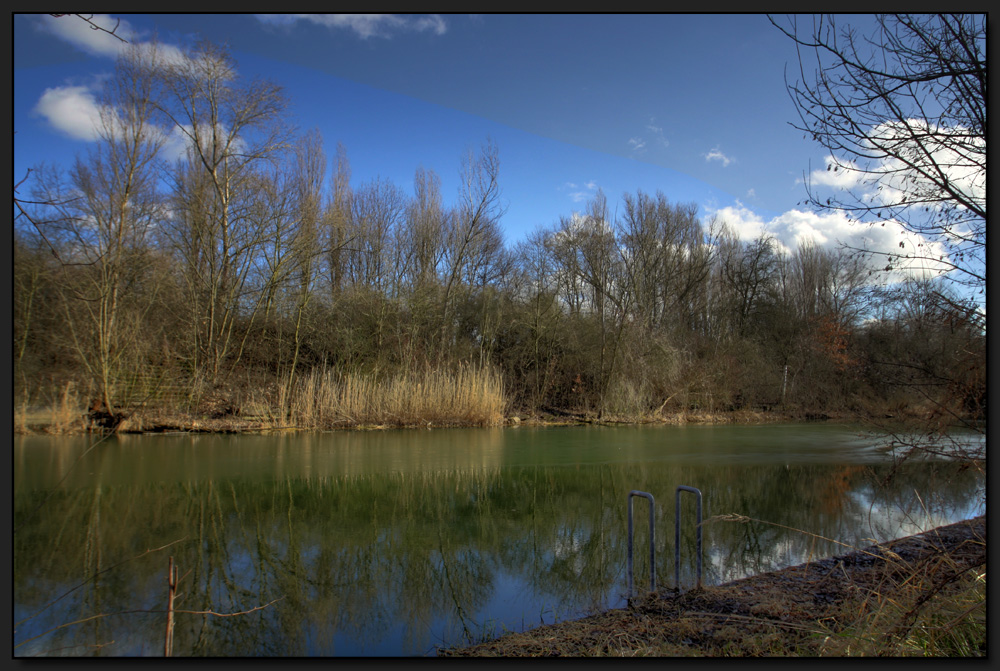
[
  {"x": 373, "y": 256},
  {"x": 426, "y": 223},
  {"x": 308, "y": 176},
  {"x": 106, "y": 212},
  {"x": 474, "y": 228},
  {"x": 337, "y": 219},
  {"x": 229, "y": 126}
]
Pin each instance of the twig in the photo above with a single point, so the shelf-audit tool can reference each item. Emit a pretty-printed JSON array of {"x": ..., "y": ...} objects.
[
  {"x": 113, "y": 566},
  {"x": 89, "y": 20},
  {"x": 148, "y": 611},
  {"x": 168, "y": 645},
  {"x": 242, "y": 612}
]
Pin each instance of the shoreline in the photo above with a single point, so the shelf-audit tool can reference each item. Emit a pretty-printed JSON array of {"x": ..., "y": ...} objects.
[
  {"x": 870, "y": 598},
  {"x": 52, "y": 422}
]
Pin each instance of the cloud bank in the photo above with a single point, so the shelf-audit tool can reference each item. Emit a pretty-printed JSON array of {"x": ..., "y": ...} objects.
[{"x": 833, "y": 230}]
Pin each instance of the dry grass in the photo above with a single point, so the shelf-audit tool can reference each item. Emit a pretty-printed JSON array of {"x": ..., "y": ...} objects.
[
  {"x": 319, "y": 400},
  {"x": 67, "y": 415},
  {"x": 21, "y": 418},
  {"x": 919, "y": 596},
  {"x": 466, "y": 397}
]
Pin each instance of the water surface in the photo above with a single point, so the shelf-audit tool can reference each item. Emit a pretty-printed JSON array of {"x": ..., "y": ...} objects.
[{"x": 396, "y": 542}]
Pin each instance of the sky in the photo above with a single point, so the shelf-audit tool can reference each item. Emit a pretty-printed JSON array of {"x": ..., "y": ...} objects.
[{"x": 693, "y": 105}]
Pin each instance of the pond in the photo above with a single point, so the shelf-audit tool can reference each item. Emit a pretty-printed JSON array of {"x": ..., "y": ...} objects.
[{"x": 389, "y": 543}]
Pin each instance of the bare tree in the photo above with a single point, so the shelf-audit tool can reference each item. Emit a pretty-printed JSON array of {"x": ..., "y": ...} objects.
[
  {"x": 105, "y": 213},
  {"x": 308, "y": 176},
  {"x": 535, "y": 289},
  {"x": 422, "y": 248},
  {"x": 230, "y": 126},
  {"x": 474, "y": 229},
  {"x": 749, "y": 272},
  {"x": 825, "y": 281},
  {"x": 21, "y": 205},
  {"x": 425, "y": 225},
  {"x": 666, "y": 258},
  {"x": 594, "y": 283},
  {"x": 902, "y": 112},
  {"x": 373, "y": 261},
  {"x": 377, "y": 211},
  {"x": 337, "y": 219}
]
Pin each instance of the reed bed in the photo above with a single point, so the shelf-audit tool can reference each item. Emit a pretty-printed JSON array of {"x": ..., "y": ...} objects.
[{"x": 464, "y": 397}]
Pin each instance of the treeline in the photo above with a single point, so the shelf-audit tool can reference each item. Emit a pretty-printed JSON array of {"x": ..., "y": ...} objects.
[{"x": 248, "y": 275}]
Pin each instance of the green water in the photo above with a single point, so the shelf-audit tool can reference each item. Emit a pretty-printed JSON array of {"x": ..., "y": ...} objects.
[{"x": 396, "y": 542}]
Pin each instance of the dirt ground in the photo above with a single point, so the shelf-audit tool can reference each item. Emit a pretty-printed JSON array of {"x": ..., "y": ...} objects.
[{"x": 869, "y": 598}]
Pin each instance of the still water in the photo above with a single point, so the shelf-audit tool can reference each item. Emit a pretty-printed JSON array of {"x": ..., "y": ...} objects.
[{"x": 399, "y": 542}]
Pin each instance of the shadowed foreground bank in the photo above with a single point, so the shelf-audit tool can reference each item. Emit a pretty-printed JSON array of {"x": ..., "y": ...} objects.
[{"x": 923, "y": 595}]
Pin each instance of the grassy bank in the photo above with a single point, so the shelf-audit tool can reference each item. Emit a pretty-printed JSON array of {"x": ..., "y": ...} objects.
[
  {"x": 326, "y": 399},
  {"x": 920, "y": 596},
  {"x": 321, "y": 399},
  {"x": 356, "y": 404}
]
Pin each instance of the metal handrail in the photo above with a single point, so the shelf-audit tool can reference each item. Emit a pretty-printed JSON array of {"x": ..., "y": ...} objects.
[
  {"x": 652, "y": 543},
  {"x": 677, "y": 536}
]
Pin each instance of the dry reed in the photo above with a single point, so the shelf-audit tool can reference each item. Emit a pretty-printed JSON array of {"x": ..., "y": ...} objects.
[
  {"x": 21, "y": 418},
  {"x": 67, "y": 414},
  {"x": 466, "y": 397}
]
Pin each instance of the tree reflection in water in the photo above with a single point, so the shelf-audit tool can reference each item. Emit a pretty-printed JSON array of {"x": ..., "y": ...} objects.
[{"x": 401, "y": 561}]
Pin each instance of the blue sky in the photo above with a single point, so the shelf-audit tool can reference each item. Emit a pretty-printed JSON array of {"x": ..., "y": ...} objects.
[{"x": 692, "y": 105}]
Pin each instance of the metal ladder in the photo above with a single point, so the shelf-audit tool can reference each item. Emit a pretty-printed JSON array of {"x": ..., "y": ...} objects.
[{"x": 652, "y": 538}]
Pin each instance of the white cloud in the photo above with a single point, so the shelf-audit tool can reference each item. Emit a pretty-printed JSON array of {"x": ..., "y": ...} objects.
[
  {"x": 952, "y": 150},
  {"x": 579, "y": 193},
  {"x": 163, "y": 54},
  {"x": 72, "y": 110},
  {"x": 838, "y": 174},
  {"x": 638, "y": 144},
  {"x": 175, "y": 143},
  {"x": 431, "y": 22},
  {"x": 960, "y": 157},
  {"x": 751, "y": 193},
  {"x": 831, "y": 230},
  {"x": 80, "y": 34},
  {"x": 717, "y": 155},
  {"x": 85, "y": 37},
  {"x": 365, "y": 25}
]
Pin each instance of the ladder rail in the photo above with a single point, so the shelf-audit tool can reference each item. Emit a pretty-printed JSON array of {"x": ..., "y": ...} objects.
[
  {"x": 677, "y": 535},
  {"x": 652, "y": 540}
]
